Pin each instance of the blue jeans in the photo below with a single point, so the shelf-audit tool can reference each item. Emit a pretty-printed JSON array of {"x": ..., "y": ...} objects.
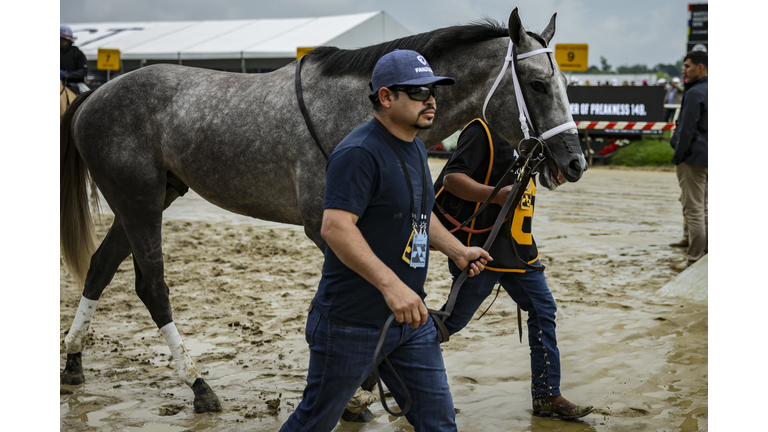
[
  {"x": 530, "y": 291},
  {"x": 341, "y": 359}
]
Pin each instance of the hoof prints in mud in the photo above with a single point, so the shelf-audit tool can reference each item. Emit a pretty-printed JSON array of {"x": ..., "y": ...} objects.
[{"x": 170, "y": 410}]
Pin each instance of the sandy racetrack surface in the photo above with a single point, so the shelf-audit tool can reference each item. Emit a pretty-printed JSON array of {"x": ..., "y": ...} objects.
[{"x": 240, "y": 289}]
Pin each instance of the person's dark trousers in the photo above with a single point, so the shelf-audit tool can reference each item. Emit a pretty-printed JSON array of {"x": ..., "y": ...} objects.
[
  {"x": 530, "y": 291},
  {"x": 341, "y": 359}
]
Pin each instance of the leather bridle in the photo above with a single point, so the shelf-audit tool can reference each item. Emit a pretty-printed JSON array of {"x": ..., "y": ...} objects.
[{"x": 525, "y": 118}]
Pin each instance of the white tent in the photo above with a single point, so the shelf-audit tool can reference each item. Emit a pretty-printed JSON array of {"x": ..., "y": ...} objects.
[{"x": 188, "y": 41}]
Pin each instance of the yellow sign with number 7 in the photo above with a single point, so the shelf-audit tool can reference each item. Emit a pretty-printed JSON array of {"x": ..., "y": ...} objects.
[{"x": 108, "y": 59}]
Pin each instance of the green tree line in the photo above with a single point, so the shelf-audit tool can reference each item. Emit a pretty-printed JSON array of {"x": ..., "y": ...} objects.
[{"x": 662, "y": 70}]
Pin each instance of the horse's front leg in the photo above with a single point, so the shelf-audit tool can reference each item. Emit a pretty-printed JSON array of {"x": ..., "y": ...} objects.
[{"x": 310, "y": 201}]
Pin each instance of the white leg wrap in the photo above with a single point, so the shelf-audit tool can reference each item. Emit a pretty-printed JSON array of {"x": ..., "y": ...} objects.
[
  {"x": 75, "y": 340},
  {"x": 188, "y": 372}
]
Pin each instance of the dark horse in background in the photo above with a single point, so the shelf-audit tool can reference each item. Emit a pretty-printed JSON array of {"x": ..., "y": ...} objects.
[{"x": 240, "y": 142}]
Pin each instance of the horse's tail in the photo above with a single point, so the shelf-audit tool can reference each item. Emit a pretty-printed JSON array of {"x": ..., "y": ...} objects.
[{"x": 76, "y": 231}]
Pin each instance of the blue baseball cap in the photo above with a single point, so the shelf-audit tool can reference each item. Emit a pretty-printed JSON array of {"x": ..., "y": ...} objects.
[{"x": 404, "y": 67}]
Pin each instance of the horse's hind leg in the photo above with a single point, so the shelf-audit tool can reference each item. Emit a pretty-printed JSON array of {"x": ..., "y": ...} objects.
[
  {"x": 205, "y": 399},
  {"x": 104, "y": 263}
]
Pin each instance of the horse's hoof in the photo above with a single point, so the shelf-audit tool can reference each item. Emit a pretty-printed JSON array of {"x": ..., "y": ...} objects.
[
  {"x": 73, "y": 370},
  {"x": 205, "y": 399},
  {"x": 363, "y": 417}
]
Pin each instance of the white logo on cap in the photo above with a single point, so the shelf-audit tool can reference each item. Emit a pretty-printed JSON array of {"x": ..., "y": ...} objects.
[{"x": 422, "y": 60}]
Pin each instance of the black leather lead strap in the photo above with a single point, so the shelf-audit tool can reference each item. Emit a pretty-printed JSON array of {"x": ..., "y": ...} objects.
[
  {"x": 303, "y": 108},
  {"x": 517, "y": 256},
  {"x": 380, "y": 351},
  {"x": 501, "y": 183},
  {"x": 513, "y": 197}
]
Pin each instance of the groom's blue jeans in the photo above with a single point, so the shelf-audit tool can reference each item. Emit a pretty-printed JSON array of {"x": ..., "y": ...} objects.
[
  {"x": 341, "y": 359},
  {"x": 530, "y": 291}
]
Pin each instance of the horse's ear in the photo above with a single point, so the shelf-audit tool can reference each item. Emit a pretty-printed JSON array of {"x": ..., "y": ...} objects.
[
  {"x": 550, "y": 30},
  {"x": 516, "y": 30}
]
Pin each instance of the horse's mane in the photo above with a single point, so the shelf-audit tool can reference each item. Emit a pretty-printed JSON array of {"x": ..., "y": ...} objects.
[{"x": 432, "y": 45}]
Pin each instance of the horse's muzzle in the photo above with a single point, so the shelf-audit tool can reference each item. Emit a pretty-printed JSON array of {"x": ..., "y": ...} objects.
[{"x": 565, "y": 151}]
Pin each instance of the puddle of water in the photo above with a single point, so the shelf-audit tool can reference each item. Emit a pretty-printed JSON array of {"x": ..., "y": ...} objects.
[
  {"x": 658, "y": 395},
  {"x": 156, "y": 427},
  {"x": 94, "y": 418},
  {"x": 691, "y": 424},
  {"x": 121, "y": 406},
  {"x": 203, "y": 426},
  {"x": 198, "y": 347},
  {"x": 195, "y": 347}
]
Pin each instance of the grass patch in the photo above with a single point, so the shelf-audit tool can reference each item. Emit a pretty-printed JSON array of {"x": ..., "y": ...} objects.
[{"x": 645, "y": 152}]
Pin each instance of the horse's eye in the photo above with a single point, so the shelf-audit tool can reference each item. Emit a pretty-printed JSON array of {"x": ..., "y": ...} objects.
[{"x": 538, "y": 86}]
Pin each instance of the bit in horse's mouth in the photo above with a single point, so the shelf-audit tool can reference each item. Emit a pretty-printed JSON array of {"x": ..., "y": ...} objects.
[{"x": 556, "y": 175}]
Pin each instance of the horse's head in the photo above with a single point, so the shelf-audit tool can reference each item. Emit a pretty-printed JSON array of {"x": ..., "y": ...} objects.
[{"x": 543, "y": 87}]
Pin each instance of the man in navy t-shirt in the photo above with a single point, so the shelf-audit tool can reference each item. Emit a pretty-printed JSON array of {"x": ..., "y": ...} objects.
[{"x": 377, "y": 222}]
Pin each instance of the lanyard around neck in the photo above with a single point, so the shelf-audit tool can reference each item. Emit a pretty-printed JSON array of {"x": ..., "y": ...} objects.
[{"x": 422, "y": 225}]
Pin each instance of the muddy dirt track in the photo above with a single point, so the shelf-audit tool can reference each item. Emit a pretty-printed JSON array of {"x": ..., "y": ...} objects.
[{"x": 240, "y": 289}]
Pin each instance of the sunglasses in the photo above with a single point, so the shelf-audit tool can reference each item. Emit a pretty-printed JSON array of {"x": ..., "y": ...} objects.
[{"x": 420, "y": 94}]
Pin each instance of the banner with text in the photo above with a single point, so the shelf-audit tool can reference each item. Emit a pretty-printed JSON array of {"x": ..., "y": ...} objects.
[
  {"x": 625, "y": 103},
  {"x": 698, "y": 27}
]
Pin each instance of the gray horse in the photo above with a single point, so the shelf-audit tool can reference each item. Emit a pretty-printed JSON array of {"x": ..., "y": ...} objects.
[{"x": 240, "y": 142}]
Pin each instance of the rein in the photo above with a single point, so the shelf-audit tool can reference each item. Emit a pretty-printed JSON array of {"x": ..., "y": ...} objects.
[
  {"x": 501, "y": 183},
  {"x": 303, "y": 108},
  {"x": 513, "y": 199}
]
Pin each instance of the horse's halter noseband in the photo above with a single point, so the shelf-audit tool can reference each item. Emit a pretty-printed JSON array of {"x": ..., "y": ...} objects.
[{"x": 525, "y": 118}]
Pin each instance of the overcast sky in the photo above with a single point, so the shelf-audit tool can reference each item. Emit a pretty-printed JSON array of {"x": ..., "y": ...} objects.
[{"x": 625, "y": 32}]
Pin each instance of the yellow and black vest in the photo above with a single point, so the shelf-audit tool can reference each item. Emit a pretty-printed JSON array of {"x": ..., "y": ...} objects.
[{"x": 484, "y": 156}]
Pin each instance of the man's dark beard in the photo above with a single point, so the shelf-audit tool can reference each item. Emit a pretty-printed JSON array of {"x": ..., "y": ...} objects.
[{"x": 416, "y": 125}]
